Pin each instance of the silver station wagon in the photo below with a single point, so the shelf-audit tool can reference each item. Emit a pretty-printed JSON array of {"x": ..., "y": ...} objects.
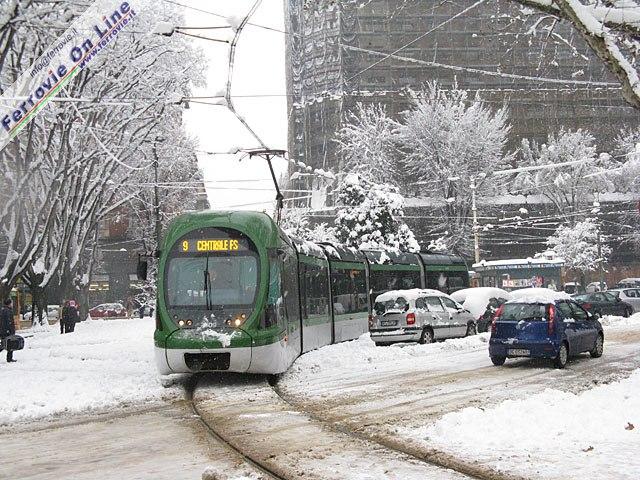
[{"x": 418, "y": 315}]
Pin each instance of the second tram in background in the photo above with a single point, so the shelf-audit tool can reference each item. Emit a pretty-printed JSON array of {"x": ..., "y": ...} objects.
[{"x": 235, "y": 293}]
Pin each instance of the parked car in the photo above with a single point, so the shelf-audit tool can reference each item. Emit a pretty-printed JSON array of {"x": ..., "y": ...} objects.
[
  {"x": 572, "y": 288},
  {"x": 628, "y": 283},
  {"x": 541, "y": 323},
  {"x": 53, "y": 312},
  {"x": 482, "y": 302},
  {"x": 108, "y": 310},
  {"x": 595, "y": 287},
  {"x": 603, "y": 303},
  {"x": 418, "y": 315},
  {"x": 628, "y": 295}
]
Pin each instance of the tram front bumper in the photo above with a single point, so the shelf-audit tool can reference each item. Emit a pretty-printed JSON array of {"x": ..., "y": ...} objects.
[{"x": 203, "y": 360}]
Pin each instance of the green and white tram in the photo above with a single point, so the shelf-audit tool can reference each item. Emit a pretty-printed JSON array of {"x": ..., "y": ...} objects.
[{"x": 236, "y": 294}]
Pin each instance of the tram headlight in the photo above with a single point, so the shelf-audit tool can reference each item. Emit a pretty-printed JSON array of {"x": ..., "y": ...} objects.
[
  {"x": 185, "y": 323},
  {"x": 181, "y": 323},
  {"x": 239, "y": 320}
]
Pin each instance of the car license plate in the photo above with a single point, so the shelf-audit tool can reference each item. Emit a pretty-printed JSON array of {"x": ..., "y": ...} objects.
[
  {"x": 518, "y": 352},
  {"x": 388, "y": 323}
]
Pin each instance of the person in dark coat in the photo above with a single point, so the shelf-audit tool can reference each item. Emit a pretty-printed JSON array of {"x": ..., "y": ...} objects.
[
  {"x": 63, "y": 316},
  {"x": 72, "y": 316},
  {"x": 7, "y": 327}
]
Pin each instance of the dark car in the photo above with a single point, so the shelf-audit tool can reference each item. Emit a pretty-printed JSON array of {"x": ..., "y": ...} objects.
[
  {"x": 108, "y": 310},
  {"x": 603, "y": 303},
  {"x": 540, "y": 328}
]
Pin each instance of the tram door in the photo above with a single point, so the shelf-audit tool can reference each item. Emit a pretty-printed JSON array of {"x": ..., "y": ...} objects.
[
  {"x": 291, "y": 298},
  {"x": 314, "y": 303}
]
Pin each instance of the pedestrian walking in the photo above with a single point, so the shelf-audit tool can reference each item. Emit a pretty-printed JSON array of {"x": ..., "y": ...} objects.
[
  {"x": 7, "y": 327},
  {"x": 73, "y": 316},
  {"x": 63, "y": 316}
]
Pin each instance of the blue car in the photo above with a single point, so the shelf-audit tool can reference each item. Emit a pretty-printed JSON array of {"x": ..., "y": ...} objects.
[{"x": 544, "y": 328}]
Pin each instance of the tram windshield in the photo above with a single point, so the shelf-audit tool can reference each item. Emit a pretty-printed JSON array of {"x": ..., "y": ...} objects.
[
  {"x": 212, "y": 269},
  {"x": 209, "y": 282}
]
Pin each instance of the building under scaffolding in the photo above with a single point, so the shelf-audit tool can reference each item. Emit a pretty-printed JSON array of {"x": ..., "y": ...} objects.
[{"x": 509, "y": 55}]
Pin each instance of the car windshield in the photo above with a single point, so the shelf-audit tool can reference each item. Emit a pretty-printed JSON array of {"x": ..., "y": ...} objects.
[
  {"x": 523, "y": 311},
  {"x": 582, "y": 298}
]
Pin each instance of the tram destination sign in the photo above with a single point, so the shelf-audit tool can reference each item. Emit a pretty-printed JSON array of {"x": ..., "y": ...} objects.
[{"x": 198, "y": 245}]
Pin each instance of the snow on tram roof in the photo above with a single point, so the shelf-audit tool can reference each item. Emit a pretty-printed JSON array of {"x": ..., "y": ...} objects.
[
  {"x": 411, "y": 294},
  {"x": 537, "y": 295}
]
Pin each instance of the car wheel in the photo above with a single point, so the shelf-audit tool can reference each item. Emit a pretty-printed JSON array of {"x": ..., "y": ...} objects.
[
  {"x": 598, "y": 348},
  {"x": 563, "y": 356},
  {"x": 627, "y": 313},
  {"x": 426, "y": 337},
  {"x": 497, "y": 361},
  {"x": 471, "y": 329},
  {"x": 382, "y": 344}
]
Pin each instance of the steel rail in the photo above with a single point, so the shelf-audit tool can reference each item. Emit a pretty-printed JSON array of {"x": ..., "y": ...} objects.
[{"x": 190, "y": 389}]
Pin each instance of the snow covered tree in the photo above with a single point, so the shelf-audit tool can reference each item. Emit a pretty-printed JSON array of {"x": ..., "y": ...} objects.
[
  {"x": 569, "y": 188},
  {"x": 368, "y": 216},
  {"x": 448, "y": 140},
  {"x": 74, "y": 163},
  {"x": 295, "y": 222},
  {"x": 368, "y": 143},
  {"x": 577, "y": 244},
  {"x": 611, "y": 28},
  {"x": 627, "y": 180}
]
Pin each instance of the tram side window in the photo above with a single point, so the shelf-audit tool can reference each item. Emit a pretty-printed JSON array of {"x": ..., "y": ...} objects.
[
  {"x": 447, "y": 282},
  {"x": 315, "y": 290},
  {"x": 393, "y": 280},
  {"x": 437, "y": 281},
  {"x": 349, "y": 291},
  {"x": 457, "y": 281}
]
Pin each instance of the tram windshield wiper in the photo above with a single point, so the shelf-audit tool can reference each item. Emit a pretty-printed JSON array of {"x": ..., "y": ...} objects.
[{"x": 207, "y": 285}]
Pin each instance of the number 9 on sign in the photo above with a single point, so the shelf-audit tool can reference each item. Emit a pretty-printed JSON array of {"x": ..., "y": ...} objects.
[{"x": 185, "y": 246}]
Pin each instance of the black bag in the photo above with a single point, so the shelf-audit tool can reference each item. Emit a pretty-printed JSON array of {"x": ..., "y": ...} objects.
[{"x": 13, "y": 342}]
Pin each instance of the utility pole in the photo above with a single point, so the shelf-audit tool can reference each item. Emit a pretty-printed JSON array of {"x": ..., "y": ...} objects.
[
  {"x": 598, "y": 212},
  {"x": 474, "y": 210},
  {"x": 156, "y": 195},
  {"x": 268, "y": 154}
]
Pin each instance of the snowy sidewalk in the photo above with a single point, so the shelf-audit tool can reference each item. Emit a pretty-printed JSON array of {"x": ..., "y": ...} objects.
[{"x": 102, "y": 365}]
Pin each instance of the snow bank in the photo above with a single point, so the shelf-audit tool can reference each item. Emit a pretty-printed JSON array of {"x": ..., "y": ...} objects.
[
  {"x": 554, "y": 434},
  {"x": 476, "y": 299},
  {"x": 613, "y": 321},
  {"x": 537, "y": 295},
  {"x": 363, "y": 355},
  {"x": 103, "y": 364}
]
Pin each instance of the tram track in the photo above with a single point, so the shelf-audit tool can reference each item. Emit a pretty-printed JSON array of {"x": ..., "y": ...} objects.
[
  {"x": 351, "y": 424},
  {"x": 283, "y": 435},
  {"x": 432, "y": 457},
  {"x": 260, "y": 466}
]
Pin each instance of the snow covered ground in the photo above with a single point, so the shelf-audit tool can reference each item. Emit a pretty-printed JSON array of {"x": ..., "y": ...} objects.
[
  {"x": 103, "y": 364},
  {"x": 554, "y": 434},
  {"x": 528, "y": 427}
]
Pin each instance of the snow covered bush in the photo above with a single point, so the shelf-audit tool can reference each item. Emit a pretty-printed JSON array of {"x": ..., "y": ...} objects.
[
  {"x": 567, "y": 187},
  {"x": 577, "y": 244},
  {"x": 367, "y": 216}
]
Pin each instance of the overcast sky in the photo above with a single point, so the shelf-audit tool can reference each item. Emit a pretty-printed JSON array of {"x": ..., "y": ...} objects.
[{"x": 259, "y": 70}]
